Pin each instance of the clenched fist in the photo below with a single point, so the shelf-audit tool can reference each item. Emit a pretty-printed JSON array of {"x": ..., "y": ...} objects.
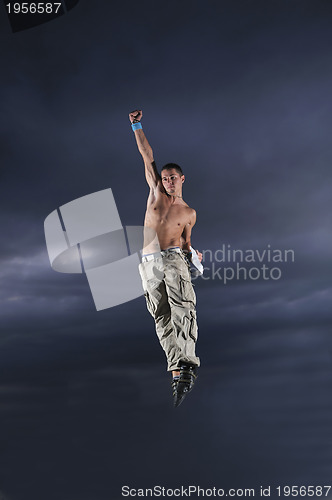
[{"x": 135, "y": 116}]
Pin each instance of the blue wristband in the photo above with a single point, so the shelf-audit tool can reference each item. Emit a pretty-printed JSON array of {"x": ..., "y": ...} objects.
[{"x": 136, "y": 126}]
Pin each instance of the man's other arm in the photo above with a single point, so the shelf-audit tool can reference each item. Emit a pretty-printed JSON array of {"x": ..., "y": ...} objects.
[
  {"x": 186, "y": 233},
  {"x": 151, "y": 174},
  {"x": 186, "y": 237}
]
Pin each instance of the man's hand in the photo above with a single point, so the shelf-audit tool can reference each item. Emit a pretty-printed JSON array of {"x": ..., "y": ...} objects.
[
  {"x": 199, "y": 255},
  {"x": 135, "y": 116},
  {"x": 188, "y": 254}
]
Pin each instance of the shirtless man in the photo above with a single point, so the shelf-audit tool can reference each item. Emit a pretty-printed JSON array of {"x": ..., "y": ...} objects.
[{"x": 165, "y": 268}]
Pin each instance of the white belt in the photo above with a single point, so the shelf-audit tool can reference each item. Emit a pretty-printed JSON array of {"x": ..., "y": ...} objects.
[{"x": 162, "y": 253}]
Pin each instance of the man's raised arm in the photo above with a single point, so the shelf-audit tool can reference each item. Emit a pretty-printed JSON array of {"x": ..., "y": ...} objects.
[{"x": 152, "y": 176}]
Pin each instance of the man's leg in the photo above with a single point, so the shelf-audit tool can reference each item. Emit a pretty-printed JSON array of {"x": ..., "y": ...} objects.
[
  {"x": 157, "y": 304},
  {"x": 171, "y": 301},
  {"x": 182, "y": 303}
]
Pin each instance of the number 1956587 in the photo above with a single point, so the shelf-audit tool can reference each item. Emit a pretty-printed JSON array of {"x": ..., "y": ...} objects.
[{"x": 33, "y": 8}]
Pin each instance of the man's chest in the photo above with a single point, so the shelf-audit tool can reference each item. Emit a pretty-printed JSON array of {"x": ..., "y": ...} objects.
[{"x": 164, "y": 214}]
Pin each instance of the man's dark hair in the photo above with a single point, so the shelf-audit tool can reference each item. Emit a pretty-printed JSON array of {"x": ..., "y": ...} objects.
[{"x": 176, "y": 167}]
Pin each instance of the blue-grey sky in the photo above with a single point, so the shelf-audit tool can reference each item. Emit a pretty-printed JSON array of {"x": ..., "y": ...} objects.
[{"x": 239, "y": 94}]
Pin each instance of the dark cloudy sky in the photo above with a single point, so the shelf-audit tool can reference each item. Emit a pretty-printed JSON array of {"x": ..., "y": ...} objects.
[{"x": 239, "y": 94}]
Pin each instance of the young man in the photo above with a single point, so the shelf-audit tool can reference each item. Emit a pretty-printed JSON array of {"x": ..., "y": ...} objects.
[{"x": 165, "y": 268}]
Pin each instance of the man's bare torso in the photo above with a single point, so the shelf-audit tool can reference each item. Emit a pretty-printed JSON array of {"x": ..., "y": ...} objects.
[{"x": 168, "y": 217}]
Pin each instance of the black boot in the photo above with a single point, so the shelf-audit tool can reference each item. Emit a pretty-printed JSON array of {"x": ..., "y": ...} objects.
[
  {"x": 185, "y": 383},
  {"x": 175, "y": 382}
]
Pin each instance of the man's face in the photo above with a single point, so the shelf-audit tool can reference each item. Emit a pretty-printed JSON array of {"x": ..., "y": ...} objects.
[{"x": 172, "y": 181}]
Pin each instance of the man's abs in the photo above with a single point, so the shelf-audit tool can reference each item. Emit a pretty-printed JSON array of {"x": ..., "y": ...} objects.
[{"x": 164, "y": 226}]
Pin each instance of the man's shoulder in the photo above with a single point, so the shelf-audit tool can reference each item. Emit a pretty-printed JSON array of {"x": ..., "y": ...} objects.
[
  {"x": 193, "y": 215},
  {"x": 191, "y": 212},
  {"x": 189, "y": 209}
]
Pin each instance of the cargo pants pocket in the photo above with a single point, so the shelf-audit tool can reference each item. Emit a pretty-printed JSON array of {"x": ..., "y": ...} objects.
[{"x": 187, "y": 290}]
